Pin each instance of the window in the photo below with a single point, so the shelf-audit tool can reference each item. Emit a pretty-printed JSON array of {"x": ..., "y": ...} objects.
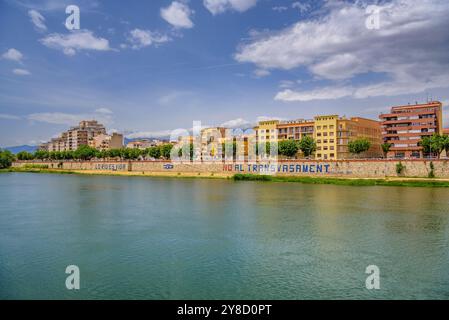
[
  {"x": 325, "y": 141},
  {"x": 318, "y": 134},
  {"x": 331, "y": 141},
  {"x": 331, "y": 126},
  {"x": 325, "y": 134},
  {"x": 318, "y": 141},
  {"x": 332, "y": 155},
  {"x": 332, "y": 147},
  {"x": 331, "y": 134},
  {"x": 324, "y": 127},
  {"x": 318, "y": 127}
]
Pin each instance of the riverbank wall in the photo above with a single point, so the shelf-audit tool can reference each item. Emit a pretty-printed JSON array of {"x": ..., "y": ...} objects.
[{"x": 311, "y": 168}]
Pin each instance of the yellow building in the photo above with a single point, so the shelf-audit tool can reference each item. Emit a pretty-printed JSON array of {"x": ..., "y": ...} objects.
[
  {"x": 333, "y": 134},
  {"x": 266, "y": 131},
  {"x": 212, "y": 140}
]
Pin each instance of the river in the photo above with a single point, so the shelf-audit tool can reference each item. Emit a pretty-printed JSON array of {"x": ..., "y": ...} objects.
[{"x": 169, "y": 238}]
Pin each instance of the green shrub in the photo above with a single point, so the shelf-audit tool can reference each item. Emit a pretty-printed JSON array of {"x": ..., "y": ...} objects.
[
  {"x": 400, "y": 168},
  {"x": 432, "y": 172},
  {"x": 35, "y": 166}
]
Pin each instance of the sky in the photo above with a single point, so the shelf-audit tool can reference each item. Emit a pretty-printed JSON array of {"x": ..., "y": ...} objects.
[{"x": 145, "y": 68}]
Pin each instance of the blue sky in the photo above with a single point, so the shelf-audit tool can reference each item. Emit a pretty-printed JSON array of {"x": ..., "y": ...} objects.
[{"x": 147, "y": 67}]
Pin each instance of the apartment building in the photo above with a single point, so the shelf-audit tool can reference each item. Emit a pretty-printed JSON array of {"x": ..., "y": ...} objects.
[
  {"x": 143, "y": 144},
  {"x": 333, "y": 134},
  {"x": 107, "y": 142},
  {"x": 446, "y": 132},
  {"x": 266, "y": 131},
  {"x": 295, "y": 129},
  {"x": 212, "y": 140},
  {"x": 405, "y": 126},
  {"x": 75, "y": 137}
]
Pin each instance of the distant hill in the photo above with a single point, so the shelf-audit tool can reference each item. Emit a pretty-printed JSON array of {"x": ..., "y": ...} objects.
[{"x": 18, "y": 149}]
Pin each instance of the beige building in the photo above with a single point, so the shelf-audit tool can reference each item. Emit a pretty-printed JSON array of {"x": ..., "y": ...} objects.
[
  {"x": 75, "y": 137},
  {"x": 212, "y": 140},
  {"x": 333, "y": 134},
  {"x": 143, "y": 144},
  {"x": 107, "y": 142}
]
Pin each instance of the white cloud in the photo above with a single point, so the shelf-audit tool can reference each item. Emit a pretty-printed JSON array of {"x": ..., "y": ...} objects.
[
  {"x": 236, "y": 123},
  {"x": 149, "y": 134},
  {"x": 280, "y": 8},
  {"x": 338, "y": 46},
  {"x": 220, "y": 6},
  {"x": 37, "y": 19},
  {"x": 302, "y": 7},
  {"x": 318, "y": 94},
  {"x": 287, "y": 84},
  {"x": 143, "y": 38},
  {"x": 178, "y": 15},
  {"x": 174, "y": 97},
  {"x": 4, "y": 116},
  {"x": 104, "y": 111},
  {"x": 13, "y": 54},
  {"x": 21, "y": 72},
  {"x": 73, "y": 42},
  {"x": 56, "y": 118},
  {"x": 103, "y": 115},
  {"x": 266, "y": 118},
  {"x": 259, "y": 73}
]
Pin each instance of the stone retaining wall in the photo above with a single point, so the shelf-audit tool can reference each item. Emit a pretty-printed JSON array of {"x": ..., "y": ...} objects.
[{"x": 343, "y": 168}]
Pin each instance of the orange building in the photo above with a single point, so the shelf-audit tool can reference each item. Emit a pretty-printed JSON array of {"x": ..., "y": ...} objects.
[
  {"x": 446, "y": 131},
  {"x": 295, "y": 129},
  {"x": 405, "y": 126}
]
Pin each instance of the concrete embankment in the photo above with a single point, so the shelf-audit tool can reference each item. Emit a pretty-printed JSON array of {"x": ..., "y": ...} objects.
[{"x": 349, "y": 169}]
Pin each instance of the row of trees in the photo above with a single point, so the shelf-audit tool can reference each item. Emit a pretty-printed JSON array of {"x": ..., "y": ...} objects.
[
  {"x": 87, "y": 153},
  {"x": 287, "y": 148}
]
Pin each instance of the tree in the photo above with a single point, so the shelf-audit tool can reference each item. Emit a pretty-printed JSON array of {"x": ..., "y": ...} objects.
[
  {"x": 6, "y": 158},
  {"x": 231, "y": 146},
  {"x": 23, "y": 155},
  {"x": 385, "y": 148},
  {"x": 41, "y": 154},
  {"x": 433, "y": 144},
  {"x": 307, "y": 145},
  {"x": 84, "y": 152},
  {"x": 114, "y": 153},
  {"x": 359, "y": 145},
  {"x": 288, "y": 148},
  {"x": 191, "y": 151},
  {"x": 154, "y": 152},
  {"x": 166, "y": 150},
  {"x": 445, "y": 143}
]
